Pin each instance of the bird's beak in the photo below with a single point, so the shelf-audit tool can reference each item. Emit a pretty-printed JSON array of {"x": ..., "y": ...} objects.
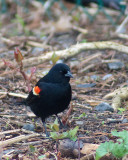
[{"x": 69, "y": 74}]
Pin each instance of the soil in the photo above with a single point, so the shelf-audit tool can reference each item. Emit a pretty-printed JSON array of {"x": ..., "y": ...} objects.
[{"x": 94, "y": 127}]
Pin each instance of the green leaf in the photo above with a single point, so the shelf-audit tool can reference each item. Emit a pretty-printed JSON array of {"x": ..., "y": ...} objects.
[
  {"x": 121, "y": 110},
  {"x": 54, "y": 126},
  {"x": 32, "y": 148},
  {"x": 53, "y": 135},
  {"x": 72, "y": 133},
  {"x": 103, "y": 149},
  {"x": 123, "y": 135},
  {"x": 84, "y": 41},
  {"x": 42, "y": 157},
  {"x": 82, "y": 115},
  {"x": 54, "y": 58},
  {"x": 119, "y": 150},
  {"x": 69, "y": 134},
  {"x": 56, "y": 136}
]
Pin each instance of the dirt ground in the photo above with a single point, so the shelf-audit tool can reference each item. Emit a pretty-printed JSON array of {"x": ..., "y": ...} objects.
[{"x": 51, "y": 33}]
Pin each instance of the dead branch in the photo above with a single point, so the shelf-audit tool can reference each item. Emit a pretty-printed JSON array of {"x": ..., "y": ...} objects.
[
  {"x": 89, "y": 58},
  {"x": 10, "y": 131},
  {"x": 123, "y": 24},
  {"x": 123, "y": 36},
  {"x": 14, "y": 94},
  {"x": 73, "y": 51},
  {"x": 17, "y": 139}
]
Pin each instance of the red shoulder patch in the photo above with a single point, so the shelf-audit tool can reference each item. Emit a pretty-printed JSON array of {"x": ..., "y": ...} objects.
[{"x": 36, "y": 90}]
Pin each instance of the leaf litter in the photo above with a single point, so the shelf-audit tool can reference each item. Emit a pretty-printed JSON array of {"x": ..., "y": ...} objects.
[{"x": 94, "y": 127}]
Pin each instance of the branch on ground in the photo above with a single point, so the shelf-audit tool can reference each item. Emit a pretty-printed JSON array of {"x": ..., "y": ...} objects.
[
  {"x": 74, "y": 50},
  {"x": 118, "y": 96}
]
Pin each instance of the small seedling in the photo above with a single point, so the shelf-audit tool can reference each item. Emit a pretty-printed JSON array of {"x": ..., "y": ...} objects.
[
  {"x": 84, "y": 41},
  {"x": 69, "y": 134},
  {"x": 32, "y": 148},
  {"x": 121, "y": 110},
  {"x": 95, "y": 116},
  {"x": 19, "y": 20},
  {"x": 54, "y": 58},
  {"x": 55, "y": 126},
  {"x": 6, "y": 125},
  {"x": 19, "y": 57},
  {"x": 81, "y": 116},
  {"x": 42, "y": 157},
  {"x": 102, "y": 122}
]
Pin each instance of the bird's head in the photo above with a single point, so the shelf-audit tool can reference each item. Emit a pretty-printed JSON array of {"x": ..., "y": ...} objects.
[{"x": 60, "y": 73}]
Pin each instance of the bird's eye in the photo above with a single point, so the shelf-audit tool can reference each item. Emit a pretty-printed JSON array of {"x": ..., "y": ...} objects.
[{"x": 63, "y": 72}]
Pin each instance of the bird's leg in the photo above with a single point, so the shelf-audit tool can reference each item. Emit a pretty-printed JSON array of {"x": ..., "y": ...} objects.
[
  {"x": 61, "y": 124},
  {"x": 47, "y": 134}
]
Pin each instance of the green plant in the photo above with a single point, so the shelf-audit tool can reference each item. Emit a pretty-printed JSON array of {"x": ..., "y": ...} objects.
[
  {"x": 19, "y": 20},
  {"x": 102, "y": 122},
  {"x": 84, "y": 41},
  {"x": 69, "y": 134},
  {"x": 54, "y": 58},
  {"x": 118, "y": 149},
  {"x": 121, "y": 110},
  {"x": 32, "y": 148},
  {"x": 54, "y": 126},
  {"x": 7, "y": 125},
  {"x": 81, "y": 116}
]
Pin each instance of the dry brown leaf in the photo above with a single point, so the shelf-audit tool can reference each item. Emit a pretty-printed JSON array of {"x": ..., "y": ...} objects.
[
  {"x": 92, "y": 102},
  {"x": 89, "y": 148}
]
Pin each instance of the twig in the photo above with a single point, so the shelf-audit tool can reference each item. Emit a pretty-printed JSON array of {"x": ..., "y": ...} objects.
[
  {"x": 79, "y": 29},
  {"x": 66, "y": 117},
  {"x": 14, "y": 94},
  {"x": 124, "y": 36},
  {"x": 89, "y": 58},
  {"x": 37, "y": 44},
  {"x": 17, "y": 139},
  {"x": 74, "y": 50},
  {"x": 87, "y": 68},
  {"x": 10, "y": 131},
  {"x": 121, "y": 27},
  {"x": 33, "y": 143}
]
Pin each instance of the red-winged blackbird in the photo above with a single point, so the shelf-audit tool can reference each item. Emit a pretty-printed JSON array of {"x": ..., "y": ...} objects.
[{"x": 52, "y": 93}]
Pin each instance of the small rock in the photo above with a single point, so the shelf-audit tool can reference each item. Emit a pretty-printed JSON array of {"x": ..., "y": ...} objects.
[
  {"x": 116, "y": 65},
  {"x": 95, "y": 77},
  {"x": 104, "y": 107},
  {"x": 36, "y": 50},
  {"x": 29, "y": 127},
  {"x": 125, "y": 120},
  {"x": 86, "y": 78},
  {"x": 60, "y": 61},
  {"x": 89, "y": 85},
  {"x": 69, "y": 148},
  {"x": 79, "y": 122},
  {"x": 107, "y": 76},
  {"x": 74, "y": 64}
]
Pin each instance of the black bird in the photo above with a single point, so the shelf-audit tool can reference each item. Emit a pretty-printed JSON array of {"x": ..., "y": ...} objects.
[{"x": 52, "y": 93}]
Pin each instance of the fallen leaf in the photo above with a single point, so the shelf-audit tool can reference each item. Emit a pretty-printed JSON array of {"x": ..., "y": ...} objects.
[{"x": 89, "y": 148}]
